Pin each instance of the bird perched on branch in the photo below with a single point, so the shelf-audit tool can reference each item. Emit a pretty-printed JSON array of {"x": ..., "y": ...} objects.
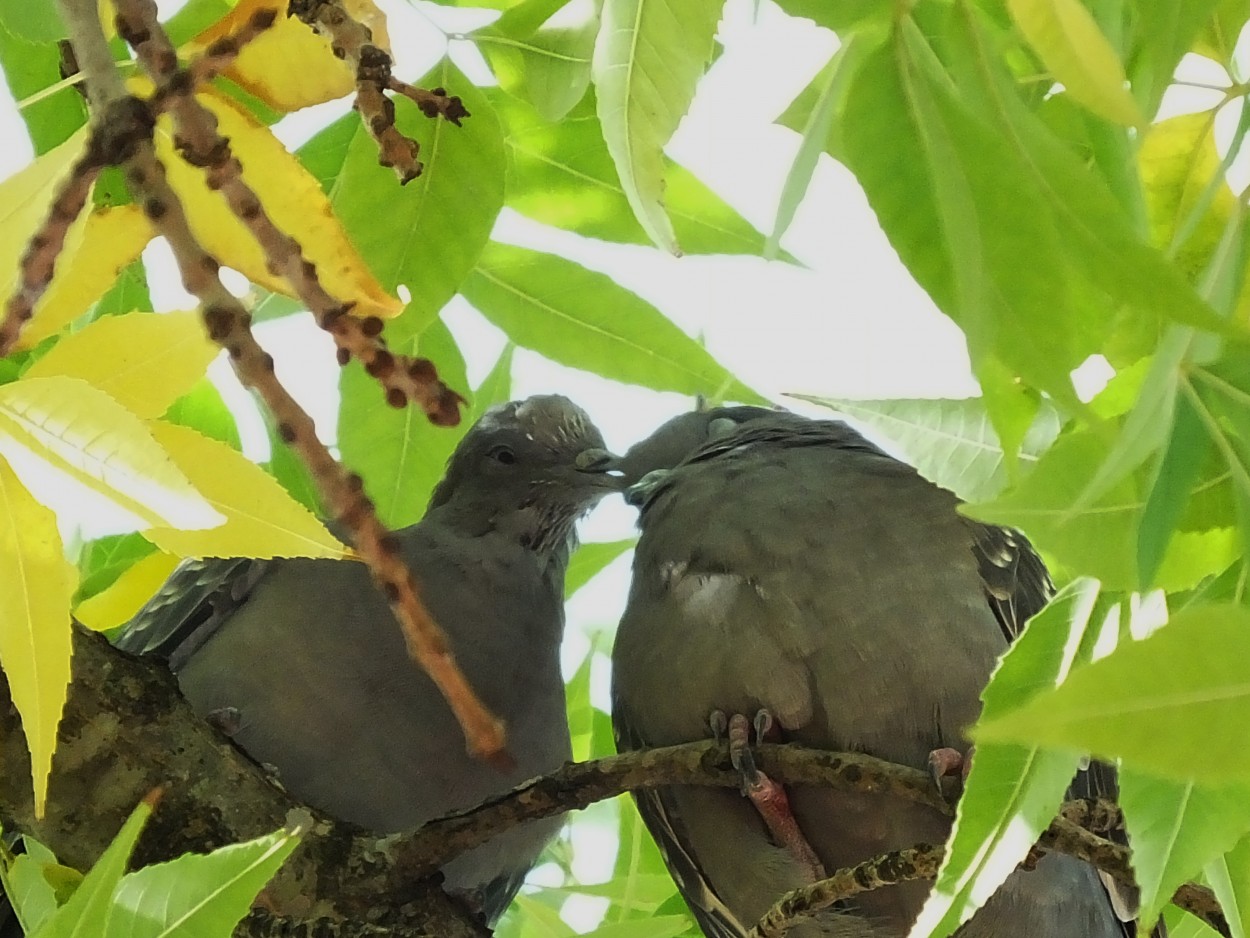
[
  {"x": 303, "y": 663},
  {"x": 793, "y": 581}
]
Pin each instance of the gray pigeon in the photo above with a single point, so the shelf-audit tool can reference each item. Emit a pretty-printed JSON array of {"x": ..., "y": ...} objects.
[
  {"x": 790, "y": 566},
  {"x": 303, "y": 663}
]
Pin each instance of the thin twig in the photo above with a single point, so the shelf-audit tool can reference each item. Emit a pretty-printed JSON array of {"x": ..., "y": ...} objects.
[
  {"x": 403, "y": 379},
  {"x": 898, "y": 866},
  {"x": 433, "y": 103},
  {"x": 229, "y": 323},
  {"x": 353, "y": 41},
  {"x": 38, "y": 263}
]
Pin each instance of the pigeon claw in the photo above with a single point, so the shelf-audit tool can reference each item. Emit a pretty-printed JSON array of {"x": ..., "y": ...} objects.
[
  {"x": 769, "y": 798},
  {"x": 740, "y": 751},
  {"x": 773, "y": 806},
  {"x": 227, "y": 720},
  {"x": 718, "y": 723},
  {"x": 949, "y": 770}
]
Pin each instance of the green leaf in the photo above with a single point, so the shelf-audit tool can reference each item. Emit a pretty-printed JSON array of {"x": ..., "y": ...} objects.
[
  {"x": 1165, "y": 31},
  {"x": 1100, "y": 240},
  {"x": 1150, "y": 419},
  {"x": 202, "y": 408},
  {"x": 1229, "y": 586},
  {"x": 1230, "y": 879},
  {"x": 1012, "y": 406},
  {"x": 272, "y": 306},
  {"x": 1142, "y": 702},
  {"x": 839, "y": 16},
  {"x": 1101, "y": 539},
  {"x": 28, "y": 888},
  {"x": 1218, "y": 37},
  {"x": 653, "y": 926},
  {"x": 292, "y": 472},
  {"x": 1188, "y": 448},
  {"x": 959, "y": 206},
  {"x": 496, "y": 387},
  {"x": 950, "y": 442},
  {"x": 1219, "y": 397},
  {"x": 590, "y": 559},
  {"x": 103, "y": 560},
  {"x": 1183, "y": 925},
  {"x": 1012, "y": 791},
  {"x": 563, "y": 175},
  {"x": 428, "y": 234},
  {"x": 33, "y": 20},
  {"x": 198, "y": 896},
  {"x": 648, "y": 58},
  {"x": 398, "y": 452},
  {"x": 128, "y": 293},
  {"x": 1068, "y": 40},
  {"x": 29, "y": 68},
  {"x": 325, "y": 154},
  {"x": 637, "y": 860},
  {"x": 1176, "y": 829},
  {"x": 649, "y": 891},
  {"x": 542, "y": 920},
  {"x": 88, "y": 911},
  {"x": 580, "y": 709},
  {"x": 815, "y": 132},
  {"x": 540, "y": 50},
  {"x": 584, "y": 319}
]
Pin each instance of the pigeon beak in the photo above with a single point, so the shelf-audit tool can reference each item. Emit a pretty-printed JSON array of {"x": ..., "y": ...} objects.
[
  {"x": 600, "y": 468},
  {"x": 595, "y": 459}
]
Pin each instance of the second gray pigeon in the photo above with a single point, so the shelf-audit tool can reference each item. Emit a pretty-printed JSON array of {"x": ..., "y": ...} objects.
[
  {"x": 304, "y": 664},
  {"x": 790, "y": 566}
]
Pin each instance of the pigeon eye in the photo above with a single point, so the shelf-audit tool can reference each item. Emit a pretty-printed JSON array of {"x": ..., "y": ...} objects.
[{"x": 503, "y": 454}]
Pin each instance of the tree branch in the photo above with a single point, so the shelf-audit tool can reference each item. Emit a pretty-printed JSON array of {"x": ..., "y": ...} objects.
[
  {"x": 899, "y": 866},
  {"x": 228, "y": 323},
  {"x": 127, "y": 730},
  {"x": 923, "y": 860},
  {"x": 352, "y": 41},
  {"x": 577, "y": 785}
]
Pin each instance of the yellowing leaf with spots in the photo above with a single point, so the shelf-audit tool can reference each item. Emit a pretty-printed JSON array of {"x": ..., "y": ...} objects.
[
  {"x": 1066, "y": 38},
  {"x": 96, "y": 251},
  {"x": 97, "y": 245},
  {"x": 291, "y": 197},
  {"x": 144, "y": 361},
  {"x": 288, "y": 66},
  {"x": 117, "y": 604},
  {"x": 36, "y": 584},
  {"x": 262, "y": 520},
  {"x": 82, "y": 453}
]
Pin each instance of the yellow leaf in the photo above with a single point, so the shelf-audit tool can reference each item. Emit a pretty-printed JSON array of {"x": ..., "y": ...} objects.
[
  {"x": 95, "y": 253},
  {"x": 1067, "y": 39},
  {"x": 24, "y": 201},
  {"x": 38, "y": 583},
  {"x": 82, "y": 453},
  {"x": 117, "y": 604},
  {"x": 289, "y": 66},
  {"x": 144, "y": 361},
  {"x": 262, "y": 520},
  {"x": 1178, "y": 159},
  {"x": 292, "y": 198},
  {"x": 97, "y": 245}
]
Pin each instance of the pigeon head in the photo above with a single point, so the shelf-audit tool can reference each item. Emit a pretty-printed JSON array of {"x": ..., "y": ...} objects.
[
  {"x": 521, "y": 469},
  {"x": 679, "y": 438}
]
